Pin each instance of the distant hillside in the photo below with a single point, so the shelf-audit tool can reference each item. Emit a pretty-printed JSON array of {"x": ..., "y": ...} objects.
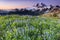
[{"x": 55, "y": 12}]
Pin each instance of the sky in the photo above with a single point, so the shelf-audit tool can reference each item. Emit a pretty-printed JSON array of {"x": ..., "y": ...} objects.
[{"x": 12, "y": 4}]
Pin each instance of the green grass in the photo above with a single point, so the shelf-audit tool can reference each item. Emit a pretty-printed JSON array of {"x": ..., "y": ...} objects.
[{"x": 15, "y": 27}]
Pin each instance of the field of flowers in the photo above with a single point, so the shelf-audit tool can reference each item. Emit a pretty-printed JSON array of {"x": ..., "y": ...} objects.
[{"x": 15, "y": 27}]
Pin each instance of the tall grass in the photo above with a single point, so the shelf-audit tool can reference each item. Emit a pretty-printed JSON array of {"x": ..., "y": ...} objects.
[{"x": 29, "y": 28}]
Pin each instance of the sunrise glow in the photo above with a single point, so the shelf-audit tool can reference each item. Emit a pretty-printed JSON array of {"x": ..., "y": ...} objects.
[{"x": 11, "y": 4}]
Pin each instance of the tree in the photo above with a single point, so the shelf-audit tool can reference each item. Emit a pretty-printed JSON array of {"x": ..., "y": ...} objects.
[{"x": 16, "y": 10}]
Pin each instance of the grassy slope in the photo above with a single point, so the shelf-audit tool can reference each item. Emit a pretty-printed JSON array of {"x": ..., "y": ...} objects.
[{"x": 29, "y": 28}]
